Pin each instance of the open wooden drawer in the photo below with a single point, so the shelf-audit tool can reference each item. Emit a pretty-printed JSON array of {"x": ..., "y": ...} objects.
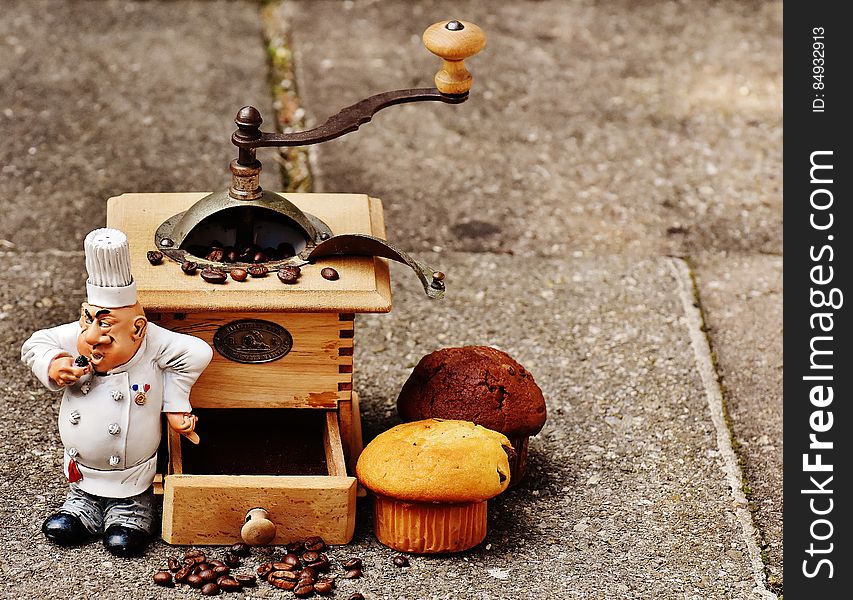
[{"x": 289, "y": 462}]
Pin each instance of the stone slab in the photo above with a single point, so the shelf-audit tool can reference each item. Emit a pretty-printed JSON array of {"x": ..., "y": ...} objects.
[
  {"x": 742, "y": 302},
  {"x": 103, "y": 98},
  {"x": 594, "y": 128}
]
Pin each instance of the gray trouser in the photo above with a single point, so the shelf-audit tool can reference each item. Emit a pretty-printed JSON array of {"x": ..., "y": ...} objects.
[{"x": 97, "y": 513}]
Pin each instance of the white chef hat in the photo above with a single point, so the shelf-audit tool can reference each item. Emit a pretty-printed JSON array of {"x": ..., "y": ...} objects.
[{"x": 110, "y": 283}]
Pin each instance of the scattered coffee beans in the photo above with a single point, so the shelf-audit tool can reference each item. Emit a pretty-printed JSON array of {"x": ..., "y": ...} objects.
[
  {"x": 352, "y": 574},
  {"x": 401, "y": 561},
  {"x": 246, "y": 580},
  {"x": 241, "y": 550},
  {"x": 258, "y": 271},
  {"x": 290, "y": 559},
  {"x": 352, "y": 563},
  {"x": 324, "y": 587},
  {"x": 214, "y": 276},
  {"x": 215, "y": 255},
  {"x": 295, "y": 548},
  {"x": 329, "y": 273},
  {"x": 173, "y": 563},
  {"x": 289, "y": 274},
  {"x": 195, "y": 581},
  {"x": 229, "y": 584},
  {"x": 232, "y": 560},
  {"x": 356, "y": 596},
  {"x": 155, "y": 257},
  {"x": 210, "y": 589},
  {"x": 315, "y": 544},
  {"x": 239, "y": 275},
  {"x": 304, "y": 590},
  {"x": 183, "y": 573},
  {"x": 163, "y": 578},
  {"x": 189, "y": 267}
]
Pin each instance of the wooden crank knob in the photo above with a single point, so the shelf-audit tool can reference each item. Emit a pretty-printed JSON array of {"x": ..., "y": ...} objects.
[
  {"x": 453, "y": 41},
  {"x": 258, "y": 530}
]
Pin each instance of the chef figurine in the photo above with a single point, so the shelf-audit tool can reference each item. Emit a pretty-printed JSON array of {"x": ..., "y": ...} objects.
[{"x": 118, "y": 373}]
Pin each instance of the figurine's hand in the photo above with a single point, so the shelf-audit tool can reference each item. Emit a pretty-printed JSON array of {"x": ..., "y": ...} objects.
[
  {"x": 184, "y": 423},
  {"x": 62, "y": 371}
]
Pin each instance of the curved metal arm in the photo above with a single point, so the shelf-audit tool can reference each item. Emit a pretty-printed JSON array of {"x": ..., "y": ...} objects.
[{"x": 349, "y": 119}]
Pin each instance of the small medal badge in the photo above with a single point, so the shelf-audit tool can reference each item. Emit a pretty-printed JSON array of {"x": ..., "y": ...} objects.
[{"x": 140, "y": 395}]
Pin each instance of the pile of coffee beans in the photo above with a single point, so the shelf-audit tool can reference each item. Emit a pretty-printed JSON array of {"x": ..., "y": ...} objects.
[
  {"x": 303, "y": 569},
  {"x": 218, "y": 252},
  {"x": 211, "y": 576}
]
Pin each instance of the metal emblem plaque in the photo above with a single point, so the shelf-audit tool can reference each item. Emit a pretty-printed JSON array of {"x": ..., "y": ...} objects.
[{"x": 252, "y": 341}]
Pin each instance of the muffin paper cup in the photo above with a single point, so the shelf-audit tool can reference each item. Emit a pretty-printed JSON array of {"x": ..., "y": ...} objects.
[{"x": 428, "y": 528}]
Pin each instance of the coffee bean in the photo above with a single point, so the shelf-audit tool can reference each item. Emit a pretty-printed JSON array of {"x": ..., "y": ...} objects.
[
  {"x": 401, "y": 561},
  {"x": 214, "y": 276},
  {"x": 289, "y": 274},
  {"x": 221, "y": 570},
  {"x": 258, "y": 271},
  {"x": 208, "y": 575},
  {"x": 189, "y": 267},
  {"x": 288, "y": 575},
  {"x": 264, "y": 570},
  {"x": 229, "y": 584},
  {"x": 246, "y": 580},
  {"x": 195, "y": 581},
  {"x": 290, "y": 559},
  {"x": 196, "y": 569},
  {"x": 309, "y": 556},
  {"x": 356, "y": 596},
  {"x": 215, "y": 563},
  {"x": 308, "y": 573},
  {"x": 315, "y": 544},
  {"x": 232, "y": 560},
  {"x": 282, "y": 584},
  {"x": 210, "y": 589},
  {"x": 155, "y": 257},
  {"x": 329, "y": 273},
  {"x": 260, "y": 257},
  {"x": 239, "y": 275},
  {"x": 304, "y": 591},
  {"x": 163, "y": 578},
  {"x": 321, "y": 564},
  {"x": 283, "y": 566},
  {"x": 182, "y": 574},
  {"x": 324, "y": 587},
  {"x": 215, "y": 255},
  {"x": 295, "y": 547},
  {"x": 241, "y": 549},
  {"x": 173, "y": 563},
  {"x": 352, "y": 574},
  {"x": 352, "y": 563}
]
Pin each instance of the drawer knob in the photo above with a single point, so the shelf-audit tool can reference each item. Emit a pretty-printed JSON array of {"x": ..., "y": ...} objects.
[{"x": 258, "y": 530}]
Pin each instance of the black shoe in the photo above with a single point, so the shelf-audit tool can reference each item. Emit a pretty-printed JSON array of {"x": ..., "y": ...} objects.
[
  {"x": 65, "y": 529},
  {"x": 125, "y": 541}
]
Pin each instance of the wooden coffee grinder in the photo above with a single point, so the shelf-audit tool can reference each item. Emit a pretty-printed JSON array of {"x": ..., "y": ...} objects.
[{"x": 278, "y": 419}]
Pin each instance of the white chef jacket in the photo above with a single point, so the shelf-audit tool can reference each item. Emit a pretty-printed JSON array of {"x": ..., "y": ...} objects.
[{"x": 113, "y": 438}]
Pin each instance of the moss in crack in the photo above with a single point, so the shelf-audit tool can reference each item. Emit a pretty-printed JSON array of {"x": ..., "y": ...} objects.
[
  {"x": 773, "y": 582},
  {"x": 290, "y": 116}
]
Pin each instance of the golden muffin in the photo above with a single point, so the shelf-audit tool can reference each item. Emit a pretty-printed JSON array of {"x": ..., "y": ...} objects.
[{"x": 431, "y": 480}]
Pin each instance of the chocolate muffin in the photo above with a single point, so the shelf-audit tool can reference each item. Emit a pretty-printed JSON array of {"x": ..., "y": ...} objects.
[{"x": 478, "y": 384}]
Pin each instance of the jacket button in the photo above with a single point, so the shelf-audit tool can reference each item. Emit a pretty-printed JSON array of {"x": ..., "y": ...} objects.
[
  {"x": 114, "y": 460},
  {"x": 116, "y": 395},
  {"x": 114, "y": 429},
  {"x": 74, "y": 417},
  {"x": 72, "y": 452}
]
